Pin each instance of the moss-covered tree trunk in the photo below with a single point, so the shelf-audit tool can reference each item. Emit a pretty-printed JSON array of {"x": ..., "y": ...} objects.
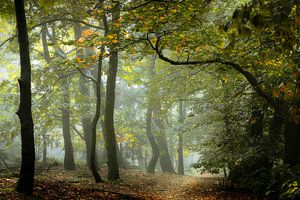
[{"x": 25, "y": 182}]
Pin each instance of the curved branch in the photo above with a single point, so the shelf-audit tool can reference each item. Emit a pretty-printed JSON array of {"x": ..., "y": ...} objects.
[
  {"x": 49, "y": 21},
  {"x": 8, "y": 40},
  {"x": 86, "y": 76},
  {"x": 66, "y": 19},
  {"x": 280, "y": 104}
]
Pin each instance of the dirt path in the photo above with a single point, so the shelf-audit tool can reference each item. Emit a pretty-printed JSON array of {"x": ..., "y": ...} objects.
[{"x": 60, "y": 184}]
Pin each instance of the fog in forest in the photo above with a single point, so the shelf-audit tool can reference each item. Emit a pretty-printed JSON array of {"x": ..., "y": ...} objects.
[{"x": 150, "y": 99}]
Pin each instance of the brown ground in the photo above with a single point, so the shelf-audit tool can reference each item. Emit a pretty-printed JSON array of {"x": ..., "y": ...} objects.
[{"x": 59, "y": 184}]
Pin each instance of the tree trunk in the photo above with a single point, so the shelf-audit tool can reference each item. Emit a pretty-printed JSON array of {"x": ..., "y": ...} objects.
[
  {"x": 69, "y": 152},
  {"x": 45, "y": 144},
  {"x": 86, "y": 105},
  {"x": 292, "y": 130},
  {"x": 25, "y": 182},
  {"x": 151, "y": 138},
  {"x": 120, "y": 156},
  {"x": 109, "y": 131},
  {"x": 292, "y": 141},
  {"x": 164, "y": 155},
  {"x": 276, "y": 135},
  {"x": 256, "y": 124},
  {"x": 180, "y": 140},
  {"x": 95, "y": 120},
  {"x": 140, "y": 157}
]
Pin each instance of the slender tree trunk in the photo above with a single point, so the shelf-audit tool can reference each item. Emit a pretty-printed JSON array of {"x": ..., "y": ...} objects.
[
  {"x": 69, "y": 163},
  {"x": 95, "y": 121},
  {"x": 140, "y": 156},
  {"x": 146, "y": 158},
  {"x": 25, "y": 182},
  {"x": 45, "y": 145},
  {"x": 180, "y": 141},
  {"x": 86, "y": 105},
  {"x": 109, "y": 131},
  {"x": 151, "y": 138},
  {"x": 120, "y": 156}
]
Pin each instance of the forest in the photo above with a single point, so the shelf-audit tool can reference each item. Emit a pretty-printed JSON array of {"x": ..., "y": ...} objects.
[{"x": 150, "y": 99}]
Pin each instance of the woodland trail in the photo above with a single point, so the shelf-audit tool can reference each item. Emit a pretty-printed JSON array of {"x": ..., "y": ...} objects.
[{"x": 59, "y": 184}]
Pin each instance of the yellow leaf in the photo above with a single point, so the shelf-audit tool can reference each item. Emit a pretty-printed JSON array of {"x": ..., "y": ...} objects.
[
  {"x": 115, "y": 41},
  {"x": 110, "y": 37}
]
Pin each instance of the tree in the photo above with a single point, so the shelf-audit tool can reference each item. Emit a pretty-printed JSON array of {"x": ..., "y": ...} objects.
[
  {"x": 25, "y": 182},
  {"x": 69, "y": 163},
  {"x": 96, "y": 119},
  {"x": 180, "y": 138},
  {"x": 155, "y": 150},
  {"x": 233, "y": 55},
  {"x": 164, "y": 154},
  {"x": 86, "y": 105},
  {"x": 109, "y": 130}
]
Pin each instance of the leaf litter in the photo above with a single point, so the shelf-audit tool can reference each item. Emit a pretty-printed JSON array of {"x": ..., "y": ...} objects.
[{"x": 57, "y": 183}]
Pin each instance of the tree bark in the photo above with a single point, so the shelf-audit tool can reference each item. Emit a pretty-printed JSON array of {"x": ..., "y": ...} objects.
[
  {"x": 95, "y": 121},
  {"x": 26, "y": 179},
  {"x": 180, "y": 141},
  {"x": 45, "y": 145},
  {"x": 85, "y": 106},
  {"x": 109, "y": 131},
  {"x": 69, "y": 163},
  {"x": 151, "y": 138},
  {"x": 140, "y": 156},
  {"x": 164, "y": 155},
  {"x": 120, "y": 156},
  {"x": 276, "y": 135},
  {"x": 292, "y": 130},
  {"x": 292, "y": 141}
]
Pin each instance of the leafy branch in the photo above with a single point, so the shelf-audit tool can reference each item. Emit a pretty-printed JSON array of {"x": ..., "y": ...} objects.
[{"x": 277, "y": 103}]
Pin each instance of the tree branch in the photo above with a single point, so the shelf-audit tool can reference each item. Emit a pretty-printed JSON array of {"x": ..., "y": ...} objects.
[
  {"x": 8, "y": 40},
  {"x": 277, "y": 103},
  {"x": 78, "y": 133},
  {"x": 86, "y": 76}
]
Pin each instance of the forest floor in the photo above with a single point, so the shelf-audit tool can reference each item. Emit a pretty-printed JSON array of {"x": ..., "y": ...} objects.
[{"x": 56, "y": 183}]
